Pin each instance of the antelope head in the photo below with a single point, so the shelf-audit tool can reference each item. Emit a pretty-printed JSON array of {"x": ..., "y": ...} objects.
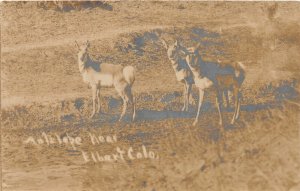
[
  {"x": 82, "y": 50},
  {"x": 173, "y": 49},
  {"x": 192, "y": 55},
  {"x": 84, "y": 47}
]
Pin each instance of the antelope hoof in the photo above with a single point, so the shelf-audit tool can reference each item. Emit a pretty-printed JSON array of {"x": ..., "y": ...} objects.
[
  {"x": 93, "y": 114},
  {"x": 232, "y": 122},
  {"x": 192, "y": 101},
  {"x": 133, "y": 118},
  {"x": 133, "y": 115},
  {"x": 236, "y": 118},
  {"x": 195, "y": 122},
  {"x": 222, "y": 131},
  {"x": 221, "y": 123}
]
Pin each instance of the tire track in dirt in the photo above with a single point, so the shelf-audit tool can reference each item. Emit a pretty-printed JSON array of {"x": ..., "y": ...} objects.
[{"x": 105, "y": 34}]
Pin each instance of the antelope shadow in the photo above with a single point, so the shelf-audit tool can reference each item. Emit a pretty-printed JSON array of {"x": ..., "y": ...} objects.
[
  {"x": 155, "y": 115},
  {"x": 150, "y": 115}
]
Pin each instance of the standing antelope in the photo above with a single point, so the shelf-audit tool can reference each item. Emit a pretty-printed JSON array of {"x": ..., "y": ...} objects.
[
  {"x": 99, "y": 75},
  {"x": 182, "y": 71},
  {"x": 222, "y": 78}
]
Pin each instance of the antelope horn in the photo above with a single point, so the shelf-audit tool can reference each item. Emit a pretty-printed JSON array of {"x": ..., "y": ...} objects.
[
  {"x": 198, "y": 46},
  {"x": 76, "y": 44},
  {"x": 164, "y": 43},
  {"x": 176, "y": 42}
]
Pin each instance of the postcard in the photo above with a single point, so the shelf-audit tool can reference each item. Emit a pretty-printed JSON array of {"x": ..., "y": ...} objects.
[{"x": 150, "y": 95}]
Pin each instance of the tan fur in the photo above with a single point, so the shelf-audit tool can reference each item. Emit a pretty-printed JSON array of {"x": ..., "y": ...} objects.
[
  {"x": 182, "y": 71},
  {"x": 99, "y": 75},
  {"x": 223, "y": 78}
]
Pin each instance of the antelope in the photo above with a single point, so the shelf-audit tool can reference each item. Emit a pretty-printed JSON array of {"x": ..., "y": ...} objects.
[
  {"x": 222, "y": 78},
  {"x": 181, "y": 69},
  {"x": 98, "y": 75}
]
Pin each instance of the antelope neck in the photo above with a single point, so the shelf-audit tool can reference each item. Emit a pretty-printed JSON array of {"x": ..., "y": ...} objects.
[{"x": 174, "y": 59}]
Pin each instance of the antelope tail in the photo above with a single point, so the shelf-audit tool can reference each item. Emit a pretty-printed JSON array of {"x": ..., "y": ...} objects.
[
  {"x": 240, "y": 72},
  {"x": 129, "y": 74}
]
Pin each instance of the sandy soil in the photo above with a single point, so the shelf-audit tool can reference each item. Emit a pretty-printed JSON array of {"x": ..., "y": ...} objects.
[{"x": 43, "y": 94}]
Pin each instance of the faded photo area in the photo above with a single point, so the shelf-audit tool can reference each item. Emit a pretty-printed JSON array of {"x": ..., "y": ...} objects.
[{"x": 153, "y": 95}]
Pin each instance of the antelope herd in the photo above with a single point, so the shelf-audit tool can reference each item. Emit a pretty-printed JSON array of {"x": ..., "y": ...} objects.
[{"x": 189, "y": 69}]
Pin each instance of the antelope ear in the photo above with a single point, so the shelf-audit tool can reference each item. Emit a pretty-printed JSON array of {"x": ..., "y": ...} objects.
[
  {"x": 183, "y": 49},
  {"x": 76, "y": 45},
  {"x": 198, "y": 46},
  {"x": 187, "y": 59},
  {"x": 176, "y": 43},
  {"x": 184, "y": 52},
  {"x": 164, "y": 43},
  {"x": 88, "y": 43}
]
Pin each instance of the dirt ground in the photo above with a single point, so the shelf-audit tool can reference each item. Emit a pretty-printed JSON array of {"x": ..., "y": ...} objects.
[{"x": 48, "y": 141}]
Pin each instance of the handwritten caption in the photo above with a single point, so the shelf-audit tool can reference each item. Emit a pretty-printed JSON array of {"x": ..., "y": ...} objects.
[{"x": 76, "y": 142}]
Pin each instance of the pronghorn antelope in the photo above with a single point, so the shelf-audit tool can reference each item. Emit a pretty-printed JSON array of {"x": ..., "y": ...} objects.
[
  {"x": 181, "y": 69},
  {"x": 222, "y": 78},
  {"x": 99, "y": 75}
]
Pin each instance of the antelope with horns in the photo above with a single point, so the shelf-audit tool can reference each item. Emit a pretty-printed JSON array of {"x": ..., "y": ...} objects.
[
  {"x": 181, "y": 69},
  {"x": 222, "y": 78},
  {"x": 99, "y": 75}
]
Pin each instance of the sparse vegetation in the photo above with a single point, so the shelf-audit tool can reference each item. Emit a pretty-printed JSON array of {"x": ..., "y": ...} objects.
[
  {"x": 66, "y": 6},
  {"x": 42, "y": 91}
]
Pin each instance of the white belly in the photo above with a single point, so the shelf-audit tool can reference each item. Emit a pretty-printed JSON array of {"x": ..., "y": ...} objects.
[
  {"x": 203, "y": 83},
  {"x": 180, "y": 75},
  {"x": 105, "y": 80},
  {"x": 95, "y": 78}
]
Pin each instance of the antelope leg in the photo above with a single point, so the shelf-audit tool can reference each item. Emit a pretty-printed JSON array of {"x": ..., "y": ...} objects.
[
  {"x": 239, "y": 108},
  {"x": 219, "y": 105},
  {"x": 226, "y": 98},
  {"x": 132, "y": 101},
  {"x": 201, "y": 95},
  {"x": 184, "y": 97},
  {"x": 189, "y": 86},
  {"x": 134, "y": 109},
  {"x": 98, "y": 97},
  {"x": 94, "y": 93},
  {"x": 124, "y": 109},
  {"x": 236, "y": 97}
]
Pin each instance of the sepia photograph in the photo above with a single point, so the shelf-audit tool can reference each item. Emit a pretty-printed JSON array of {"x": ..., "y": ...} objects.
[{"x": 150, "y": 95}]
